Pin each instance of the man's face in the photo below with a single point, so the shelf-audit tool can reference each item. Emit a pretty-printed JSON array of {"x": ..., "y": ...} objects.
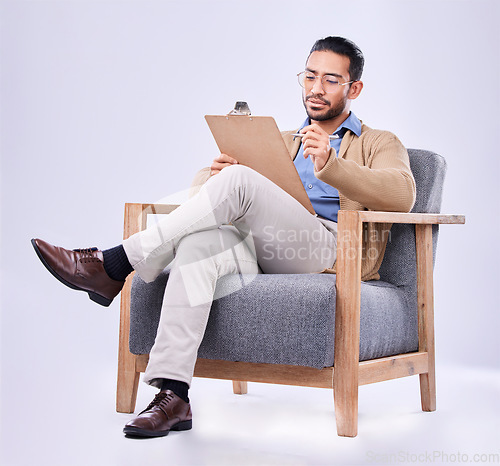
[{"x": 319, "y": 105}]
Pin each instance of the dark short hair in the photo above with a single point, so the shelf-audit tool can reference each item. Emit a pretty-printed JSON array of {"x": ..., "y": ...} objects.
[{"x": 344, "y": 47}]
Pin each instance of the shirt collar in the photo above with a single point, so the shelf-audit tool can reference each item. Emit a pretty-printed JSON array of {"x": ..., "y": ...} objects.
[{"x": 352, "y": 123}]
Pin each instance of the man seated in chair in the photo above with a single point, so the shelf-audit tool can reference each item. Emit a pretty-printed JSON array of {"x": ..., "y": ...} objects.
[{"x": 241, "y": 223}]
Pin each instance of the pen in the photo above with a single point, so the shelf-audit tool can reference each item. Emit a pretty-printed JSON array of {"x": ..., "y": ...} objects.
[{"x": 300, "y": 135}]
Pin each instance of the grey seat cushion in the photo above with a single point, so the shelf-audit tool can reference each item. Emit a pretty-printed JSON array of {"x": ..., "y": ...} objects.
[{"x": 254, "y": 324}]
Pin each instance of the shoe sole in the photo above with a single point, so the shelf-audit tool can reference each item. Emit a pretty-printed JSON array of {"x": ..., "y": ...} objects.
[
  {"x": 97, "y": 298},
  {"x": 138, "y": 432}
]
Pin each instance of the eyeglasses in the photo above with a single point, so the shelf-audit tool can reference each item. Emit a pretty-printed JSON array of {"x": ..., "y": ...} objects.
[{"x": 329, "y": 82}]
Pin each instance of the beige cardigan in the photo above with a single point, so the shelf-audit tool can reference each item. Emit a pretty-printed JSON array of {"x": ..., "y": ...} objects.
[{"x": 371, "y": 172}]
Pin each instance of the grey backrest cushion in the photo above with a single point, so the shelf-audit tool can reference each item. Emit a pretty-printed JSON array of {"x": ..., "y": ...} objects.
[{"x": 398, "y": 266}]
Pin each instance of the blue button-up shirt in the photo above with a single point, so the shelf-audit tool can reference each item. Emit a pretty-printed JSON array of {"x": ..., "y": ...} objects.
[{"x": 324, "y": 198}]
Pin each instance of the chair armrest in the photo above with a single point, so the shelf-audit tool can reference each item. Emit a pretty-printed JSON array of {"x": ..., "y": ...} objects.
[
  {"x": 349, "y": 253},
  {"x": 403, "y": 217},
  {"x": 136, "y": 216}
]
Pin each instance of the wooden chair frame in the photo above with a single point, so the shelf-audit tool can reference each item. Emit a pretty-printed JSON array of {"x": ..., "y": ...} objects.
[{"x": 349, "y": 373}]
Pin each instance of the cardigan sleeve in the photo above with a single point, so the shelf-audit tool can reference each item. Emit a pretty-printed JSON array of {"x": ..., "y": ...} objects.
[{"x": 382, "y": 180}]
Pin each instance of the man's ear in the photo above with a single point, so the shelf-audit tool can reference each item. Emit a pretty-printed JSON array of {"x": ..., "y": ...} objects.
[{"x": 355, "y": 90}]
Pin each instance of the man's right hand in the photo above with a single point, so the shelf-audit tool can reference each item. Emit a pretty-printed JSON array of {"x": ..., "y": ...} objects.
[{"x": 220, "y": 162}]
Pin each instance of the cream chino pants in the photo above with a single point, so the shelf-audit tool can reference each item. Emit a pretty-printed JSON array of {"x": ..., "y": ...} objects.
[{"x": 270, "y": 232}]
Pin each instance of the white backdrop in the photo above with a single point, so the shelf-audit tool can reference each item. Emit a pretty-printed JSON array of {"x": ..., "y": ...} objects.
[{"x": 102, "y": 103}]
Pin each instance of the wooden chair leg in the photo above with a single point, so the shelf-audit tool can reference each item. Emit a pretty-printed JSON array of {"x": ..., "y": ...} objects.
[
  {"x": 347, "y": 321},
  {"x": 128, "y": 376},
  {"x": 127, "y": 385},
  {"x": 428, "y": 391},
  {"x": 239, "y": 387},
  {"x": 346, "y": 411},
  {"x": 425, "y": 293}
]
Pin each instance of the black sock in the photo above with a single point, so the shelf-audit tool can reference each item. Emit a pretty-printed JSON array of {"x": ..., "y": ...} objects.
[
  {"x": 116, "y": 263},
  {"x": 179, "y": 388}
]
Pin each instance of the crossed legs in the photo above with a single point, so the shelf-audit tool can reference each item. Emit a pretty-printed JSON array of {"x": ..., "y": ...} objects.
[{"x": 270, "y": 228}]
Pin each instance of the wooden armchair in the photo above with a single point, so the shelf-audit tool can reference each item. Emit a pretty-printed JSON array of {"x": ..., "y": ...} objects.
[{"x": 405, "y": 289}]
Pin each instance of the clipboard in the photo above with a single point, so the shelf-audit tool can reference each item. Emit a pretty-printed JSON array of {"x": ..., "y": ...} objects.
[{"x": 256, "y": 142}]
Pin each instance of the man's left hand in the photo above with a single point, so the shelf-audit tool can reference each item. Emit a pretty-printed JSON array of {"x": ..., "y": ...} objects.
[{"x": 316, "y": 143}]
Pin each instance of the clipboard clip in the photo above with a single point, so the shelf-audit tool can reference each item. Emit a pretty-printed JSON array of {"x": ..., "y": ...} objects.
[{"x": 240, "y": 108}]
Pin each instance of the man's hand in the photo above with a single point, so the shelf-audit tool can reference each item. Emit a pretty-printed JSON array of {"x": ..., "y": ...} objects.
[
  {"x": 316, "y": 143},
  {"x": 220, "y": 162}
]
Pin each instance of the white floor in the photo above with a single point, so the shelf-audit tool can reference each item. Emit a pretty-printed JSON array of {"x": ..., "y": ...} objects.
[{"x": 272, "y": 425}]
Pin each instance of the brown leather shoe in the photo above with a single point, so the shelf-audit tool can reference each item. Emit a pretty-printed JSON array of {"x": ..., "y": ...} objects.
[
  {"x": 165, "y": 413},
  {"x": 80, "y": 269}
]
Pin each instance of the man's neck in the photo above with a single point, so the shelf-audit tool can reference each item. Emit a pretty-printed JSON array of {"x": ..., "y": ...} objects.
[{"x": 331, "y": 125}]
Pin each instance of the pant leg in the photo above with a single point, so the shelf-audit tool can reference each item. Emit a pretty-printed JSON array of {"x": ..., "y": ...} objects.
[
  {"x": 201, "y": 259},
  {"x": 285, "y": 236}
]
